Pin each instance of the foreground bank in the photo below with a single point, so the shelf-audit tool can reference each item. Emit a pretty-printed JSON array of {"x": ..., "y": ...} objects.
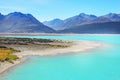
[{"x": 43, "y": 47}]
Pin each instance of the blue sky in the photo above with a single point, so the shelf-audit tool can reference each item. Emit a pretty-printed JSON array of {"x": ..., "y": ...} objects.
[{"x": 50, "y": 9}]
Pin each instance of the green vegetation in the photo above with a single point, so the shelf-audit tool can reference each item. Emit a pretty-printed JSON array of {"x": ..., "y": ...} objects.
[{"x": 6, "y": 54}]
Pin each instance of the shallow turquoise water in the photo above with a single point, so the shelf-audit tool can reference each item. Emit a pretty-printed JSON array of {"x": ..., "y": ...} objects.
[{"x": 100, "y": 64}]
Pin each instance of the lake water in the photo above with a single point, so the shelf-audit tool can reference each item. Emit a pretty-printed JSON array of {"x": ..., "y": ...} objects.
[{"x": 99, "y": 64}]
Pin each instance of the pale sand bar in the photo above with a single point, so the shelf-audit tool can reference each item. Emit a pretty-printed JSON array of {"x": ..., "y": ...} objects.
[{"x": 76, "y": 46}]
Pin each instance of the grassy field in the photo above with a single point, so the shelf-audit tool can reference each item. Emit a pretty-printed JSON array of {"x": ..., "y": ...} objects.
[{"x": 6, "y": 54}]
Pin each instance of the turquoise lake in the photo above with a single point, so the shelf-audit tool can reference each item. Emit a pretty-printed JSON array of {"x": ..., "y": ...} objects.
[{"x": 98, "y": 64}]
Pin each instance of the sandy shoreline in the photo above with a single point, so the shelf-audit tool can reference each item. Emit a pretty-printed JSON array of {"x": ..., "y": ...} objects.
[
  {"x": 77, "y": 46},
  {"x": 6, "y": 65}
]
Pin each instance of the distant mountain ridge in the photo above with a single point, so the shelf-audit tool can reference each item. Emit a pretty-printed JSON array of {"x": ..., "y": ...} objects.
[
  {"x": 18, "y": 22},
  {"x": 113, "y": 16},
  {"x": 55, "y": 24},
  {"x": 83, "y": 19},
  {"x": 77, "y": 20}
]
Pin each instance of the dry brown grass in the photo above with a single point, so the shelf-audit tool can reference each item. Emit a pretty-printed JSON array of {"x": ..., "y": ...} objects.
[{"x": 6, "y": 54}]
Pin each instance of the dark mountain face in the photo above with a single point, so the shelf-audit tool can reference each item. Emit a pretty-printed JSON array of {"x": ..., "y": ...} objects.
[
  {"x": 22, "y": 23},
  {"x": 1, "y": 16},
  {"x": 98, "y": 28},
  {"x": 55, "y": 24}
]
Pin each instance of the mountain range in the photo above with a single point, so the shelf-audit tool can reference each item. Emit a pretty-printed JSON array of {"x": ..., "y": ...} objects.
[
  {"x": 80, "y": 20},
  {"x": 18, "y": 22}
]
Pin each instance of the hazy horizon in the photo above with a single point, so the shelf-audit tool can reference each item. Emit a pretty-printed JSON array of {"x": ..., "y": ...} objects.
[{"x": 45, "y": 10}]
